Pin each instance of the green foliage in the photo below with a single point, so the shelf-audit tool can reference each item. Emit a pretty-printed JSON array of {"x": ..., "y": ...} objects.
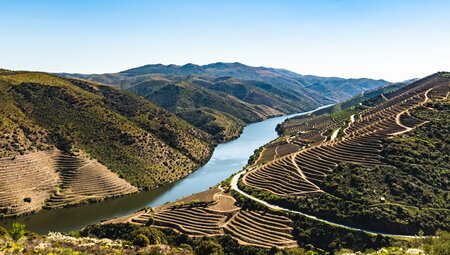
[
  {"x": 3, "y": 232},
  {"x": 141, "y": 240},
  {"x": 406, "y": 195},
  {"x": 208, "y": 247},
  {"x": 150, "y": 221},
  {"x": 75, "y": 233},
  {"x": 441, "y": 244},
  {"x": 220, "y": 98},
  {"x": 154, "y": 235},
  {"x": 31, "y": 235},
  {"x": 344, "y": 115},
  {"x": 221, "y": 125},
  {"x": 111, "y": 231},
  {"x": 143, "y": 143},
  {"x": 17, "y": 231},
  {"x": 205, "y": 245}
]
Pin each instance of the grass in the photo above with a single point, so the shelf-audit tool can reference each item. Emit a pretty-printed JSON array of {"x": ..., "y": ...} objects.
[{"x": 34, "y": 77}]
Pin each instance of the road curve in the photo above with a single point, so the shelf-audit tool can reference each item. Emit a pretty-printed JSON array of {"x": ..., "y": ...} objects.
[{"x": 234, "y": 186}]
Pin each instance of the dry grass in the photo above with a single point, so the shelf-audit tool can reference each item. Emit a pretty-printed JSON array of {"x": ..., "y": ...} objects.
[
  {"x": 304, "y": 171},
  {"x": 54, "y": 179}
]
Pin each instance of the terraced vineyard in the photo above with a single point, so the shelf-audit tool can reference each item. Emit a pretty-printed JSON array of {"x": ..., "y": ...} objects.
[
  {"x": 307, "y": 124},
  {"x": 53, "y": 179},
  {"x": 302, "y": 172},
  {"x": 213, "y": 213},
  {"x": 191, "y": 220},
  {"x": 112, "y": 132},
  {"x": 85, "y": 179},
  {"x": 27, "y": 182},
  {"x": 261, "y": 229}
]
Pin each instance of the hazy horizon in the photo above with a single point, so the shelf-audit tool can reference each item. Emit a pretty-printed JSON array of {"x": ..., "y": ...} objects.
[{"x": 391, "y": 40}]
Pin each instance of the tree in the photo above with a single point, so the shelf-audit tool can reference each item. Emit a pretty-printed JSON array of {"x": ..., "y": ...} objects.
[
  {"x": 17, "y": 231},
  {"x": 141, "y": 240},
  {"x": 209, "y": 247}
]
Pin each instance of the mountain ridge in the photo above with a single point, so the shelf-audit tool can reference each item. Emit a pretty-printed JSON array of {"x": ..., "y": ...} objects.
[{"x": 220, "y": 88}]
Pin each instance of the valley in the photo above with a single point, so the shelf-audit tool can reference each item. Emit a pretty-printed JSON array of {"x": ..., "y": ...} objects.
[
  {"x": 304, "y": 188},
  {"x": 307, "y": 173},
  {"x": 225, "y": 127},
  {"x": 67, "y": 142},
  {"x": 226, "y": 159},
  {"x": 221, "y": 98}
]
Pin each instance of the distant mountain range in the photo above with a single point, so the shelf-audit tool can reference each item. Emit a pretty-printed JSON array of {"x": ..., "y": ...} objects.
[{"x": 220, "y": 98}]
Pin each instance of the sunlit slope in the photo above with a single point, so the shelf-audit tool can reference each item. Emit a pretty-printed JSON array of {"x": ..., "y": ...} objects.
[
  {"x": 378, "y": 168},
  {"x": 233, "y": 93},
  {"x": 138, "y": 141}
]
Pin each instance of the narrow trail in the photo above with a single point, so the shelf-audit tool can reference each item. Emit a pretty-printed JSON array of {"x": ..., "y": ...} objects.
[
  {"x": 398, "y": 116},
  {"x": 335, "y": 134},
  {"x": 235, "y": 187},
  {"x": 352, "y": 119}
]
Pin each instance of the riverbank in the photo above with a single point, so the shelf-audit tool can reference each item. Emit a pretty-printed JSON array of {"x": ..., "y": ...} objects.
[{"x": 227, "y": 159}]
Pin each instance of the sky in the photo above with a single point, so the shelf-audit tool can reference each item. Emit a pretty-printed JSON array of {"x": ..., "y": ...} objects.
[{"x": 383, "y": 39}]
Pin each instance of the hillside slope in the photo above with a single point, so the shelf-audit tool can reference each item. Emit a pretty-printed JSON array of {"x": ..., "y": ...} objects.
[
  {"x": 381, "y": 165},
  {"x": 85, "y": 129},
  {"x": 206, "y": 96}
]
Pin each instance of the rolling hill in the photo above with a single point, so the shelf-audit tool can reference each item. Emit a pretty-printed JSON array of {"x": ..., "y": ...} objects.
[
  {"x": 371, "y": 174},
  {"x": 220, "y": 98},
  {"x": 67, "y": 141},
  {"x": 380, "y": 164}
]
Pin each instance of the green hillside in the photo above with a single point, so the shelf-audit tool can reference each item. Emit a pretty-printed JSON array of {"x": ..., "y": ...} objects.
[
  {"x": 408, "y": 192},
  {"x": 143, "y": 143},
  {"x": 217, "y": 91}
]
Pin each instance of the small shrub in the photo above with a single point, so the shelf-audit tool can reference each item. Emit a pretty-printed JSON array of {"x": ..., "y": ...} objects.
[
  {"x": 3, "y": 232},
  {"x": 76, "y": 234},
  {"x": 154, "y": 235},
  {"x": 17, "y": 231},
  {"x": 141, "y": 240},
  {"x": 208, "y": 247},
  {"x": 194, "y": 203},
  {"x": 32, "y": 235},
  {"x": 150, "y": 221}
]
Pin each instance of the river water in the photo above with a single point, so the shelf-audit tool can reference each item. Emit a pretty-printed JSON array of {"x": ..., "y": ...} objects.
[{"x": 227, "y": 159}]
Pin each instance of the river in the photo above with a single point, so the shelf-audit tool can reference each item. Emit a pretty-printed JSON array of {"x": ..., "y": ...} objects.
[{"x": 227, "y": 159}]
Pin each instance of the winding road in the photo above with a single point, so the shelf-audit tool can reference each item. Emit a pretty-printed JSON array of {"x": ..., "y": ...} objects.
[
  {"x": 234, "y": 186},
  {"x": 236, "y": 177}
]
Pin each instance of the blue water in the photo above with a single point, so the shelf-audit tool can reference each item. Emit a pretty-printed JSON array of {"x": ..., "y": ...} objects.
[{"x": 227, "y": 159}]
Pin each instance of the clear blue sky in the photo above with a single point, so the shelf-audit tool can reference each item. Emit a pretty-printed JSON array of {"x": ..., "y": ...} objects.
[{"x": 390, "y": 39}]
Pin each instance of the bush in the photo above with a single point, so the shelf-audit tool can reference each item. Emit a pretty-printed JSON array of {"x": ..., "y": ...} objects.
[
  {"x": 76, "y": 234},
  {"x": 141, "y": 240},
  {"x": 150, "y": 221},
  {"x": 208, "y": 247},
  {"x": 111, "y": 231},
  {"x": 17, "y": 231},
  {"x": 155, "y": 236},
  {"x": 441, "y": 244},
  {"x": 3, "y": 232},
  {"x": 31, "y": 235}
]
